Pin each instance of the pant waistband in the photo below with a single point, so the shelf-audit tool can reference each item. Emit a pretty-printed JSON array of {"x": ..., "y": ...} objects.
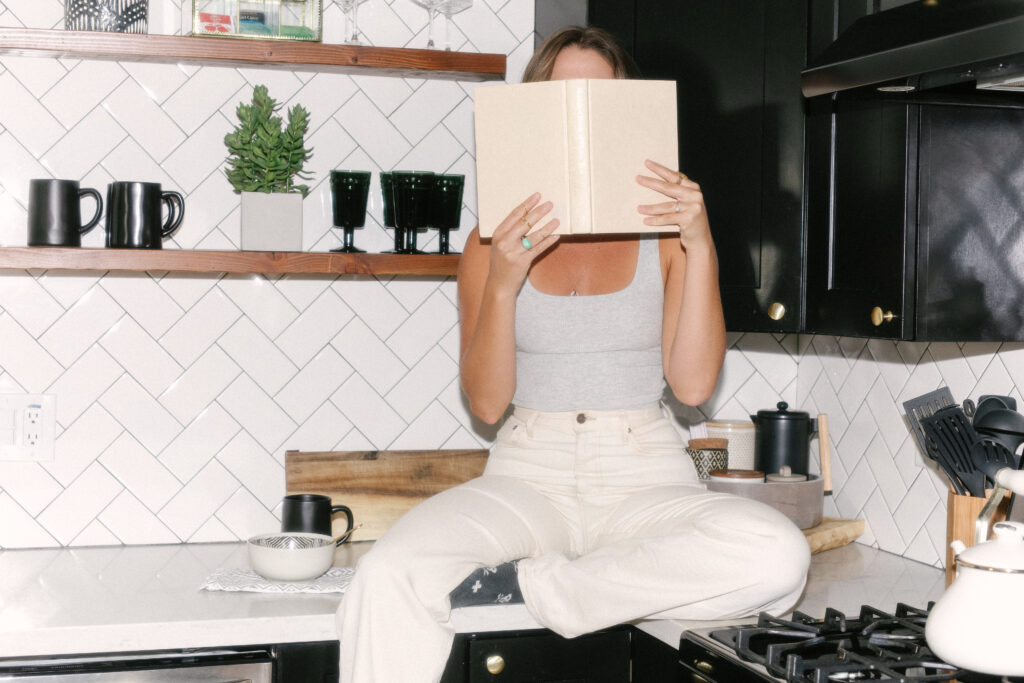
[{"x": 571, "y": 418}]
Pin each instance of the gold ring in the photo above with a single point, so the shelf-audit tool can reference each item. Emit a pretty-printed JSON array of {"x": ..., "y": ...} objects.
[{"x": 681, "y": 178}]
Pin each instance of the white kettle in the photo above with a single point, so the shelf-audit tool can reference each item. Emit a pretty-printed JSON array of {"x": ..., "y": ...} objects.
[{"x": 975, "y": 625}]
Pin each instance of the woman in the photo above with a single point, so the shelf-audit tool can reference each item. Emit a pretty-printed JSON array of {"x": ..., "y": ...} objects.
[{"x": 588, "y": 480}]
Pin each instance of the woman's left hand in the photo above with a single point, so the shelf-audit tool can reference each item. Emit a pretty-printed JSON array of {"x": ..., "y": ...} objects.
[{"x": 686, "y": 208}]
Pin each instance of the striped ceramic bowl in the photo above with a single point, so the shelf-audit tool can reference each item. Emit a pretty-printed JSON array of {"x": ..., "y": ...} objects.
[{"x": 291, "y": 556}]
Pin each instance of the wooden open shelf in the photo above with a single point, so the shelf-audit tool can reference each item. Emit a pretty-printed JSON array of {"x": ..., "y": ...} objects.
[
  {"x": 354, "y": 59},
  {"x": 180, "y": 260}
]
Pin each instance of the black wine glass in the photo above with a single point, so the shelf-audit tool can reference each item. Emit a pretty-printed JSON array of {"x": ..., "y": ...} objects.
[
  {"x": 349, "y": 192},
  {"x": 387, "y": 193},
  {"x": 446, "y": 207},
  {"x": 413, "y": 191}
]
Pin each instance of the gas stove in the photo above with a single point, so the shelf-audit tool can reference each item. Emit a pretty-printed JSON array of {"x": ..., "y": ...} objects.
[{"x": 876, "y": 645}]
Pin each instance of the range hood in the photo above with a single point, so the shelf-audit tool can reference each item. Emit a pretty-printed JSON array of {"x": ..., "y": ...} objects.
[{"x": 924, "y": 45}]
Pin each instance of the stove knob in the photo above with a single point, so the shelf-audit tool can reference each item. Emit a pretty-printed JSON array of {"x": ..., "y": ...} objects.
[{"x": 495, "y": 664}]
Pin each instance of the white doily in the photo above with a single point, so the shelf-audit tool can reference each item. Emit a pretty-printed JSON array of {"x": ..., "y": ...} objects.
[{"x": 336, "y": 580}]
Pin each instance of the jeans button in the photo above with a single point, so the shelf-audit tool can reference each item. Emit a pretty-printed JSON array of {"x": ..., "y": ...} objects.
[{"x": 581, "y": 418}]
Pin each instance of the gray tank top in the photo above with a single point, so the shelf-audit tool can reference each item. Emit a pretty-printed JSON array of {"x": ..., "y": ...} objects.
[{"x": 599, "y": 352}]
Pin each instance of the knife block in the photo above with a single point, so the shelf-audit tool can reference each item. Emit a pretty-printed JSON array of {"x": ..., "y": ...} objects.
[{"x": 961, "y": 514}]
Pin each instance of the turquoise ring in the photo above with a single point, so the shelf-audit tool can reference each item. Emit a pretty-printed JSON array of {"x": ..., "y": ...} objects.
[{"x": 527, "y": 243}]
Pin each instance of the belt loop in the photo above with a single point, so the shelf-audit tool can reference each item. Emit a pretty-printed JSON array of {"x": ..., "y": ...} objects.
[{"x": 530, "y": 419}]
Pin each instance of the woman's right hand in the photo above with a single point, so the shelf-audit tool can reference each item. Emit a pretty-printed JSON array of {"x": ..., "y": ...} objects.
[{"x": 510, "y": 255}]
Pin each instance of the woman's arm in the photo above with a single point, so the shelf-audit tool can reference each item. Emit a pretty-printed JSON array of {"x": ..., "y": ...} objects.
[
  {"x": 693, "y": 326},
  {"x": 489, "y": 279}
]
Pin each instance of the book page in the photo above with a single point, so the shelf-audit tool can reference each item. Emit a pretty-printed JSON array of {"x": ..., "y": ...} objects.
[
  {"x": 521, "y": 148},
  {"x": 630, "y": 121}
]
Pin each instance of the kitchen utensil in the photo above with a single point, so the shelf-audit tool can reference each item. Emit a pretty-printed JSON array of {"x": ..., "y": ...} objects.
[
  {"x": 135, "y": 216},
  {"x": 1003, "y": 425},
  {"x": 975, "y": 623},
  {"x": 312, "y": 513},
  {"x": 989, "y": 456},
  {"x": 782, "y": 438},
  {"x": 55, "y": 214},
  {"x": 924, "y": 406},
  {"x": 708, "y": 454},
  {"x": 948, "y": 439},
  {"x": 291, "y": 556},
  {"x": 741, "y": 436}
]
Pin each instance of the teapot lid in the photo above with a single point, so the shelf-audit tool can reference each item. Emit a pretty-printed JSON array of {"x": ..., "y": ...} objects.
[
  {"x": 1004, "y": 553},
  {"x": 783, "y": 413}
]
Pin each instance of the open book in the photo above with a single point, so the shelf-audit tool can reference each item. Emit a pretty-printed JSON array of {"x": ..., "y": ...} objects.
[{"x": 581, "y": 144}]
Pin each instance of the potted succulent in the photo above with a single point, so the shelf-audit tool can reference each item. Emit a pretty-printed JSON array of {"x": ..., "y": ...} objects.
[{"x": 265, "y": 159}]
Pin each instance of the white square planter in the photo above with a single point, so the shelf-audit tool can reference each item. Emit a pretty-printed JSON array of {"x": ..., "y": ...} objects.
[{"x": 271, "y": 221}]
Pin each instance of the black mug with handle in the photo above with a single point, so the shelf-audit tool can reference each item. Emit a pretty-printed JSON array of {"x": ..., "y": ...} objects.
[
  {"x": 312, "y": 513},
  {"x": 135, "y": 214},
  {"x": 55, "y": 213}
]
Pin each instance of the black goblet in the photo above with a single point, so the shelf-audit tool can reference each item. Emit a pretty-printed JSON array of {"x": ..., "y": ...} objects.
[
  {"x": 446, "y": 208},
  {"x": 413, "y": 190},
  {"x": 387, "y": 193},
  {"x": 349, "y": 192}
]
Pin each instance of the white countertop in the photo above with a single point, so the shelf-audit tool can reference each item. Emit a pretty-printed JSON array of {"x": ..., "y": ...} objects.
[{"x": 123, "y": 598}]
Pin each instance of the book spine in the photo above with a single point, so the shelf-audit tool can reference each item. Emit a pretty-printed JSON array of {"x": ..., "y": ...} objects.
[{"x": 578, "y": 137}]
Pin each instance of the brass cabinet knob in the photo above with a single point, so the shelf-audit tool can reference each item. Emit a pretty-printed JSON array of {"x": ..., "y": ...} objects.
[
  {"x": 878, "y": 316},
  {"x": 776, "y": 311},
  {"x": 495, "y": 664}
]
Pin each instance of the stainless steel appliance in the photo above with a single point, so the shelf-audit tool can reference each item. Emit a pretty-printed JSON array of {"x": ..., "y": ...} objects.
[
  {"x": 284, "y": 663},
  {"x": 874, "y": 645}
]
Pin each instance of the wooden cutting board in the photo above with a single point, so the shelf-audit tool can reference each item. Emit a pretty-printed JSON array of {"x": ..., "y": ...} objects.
[
  {"x": 833, "y": 533},
  {"x": 379, "y": 486}
]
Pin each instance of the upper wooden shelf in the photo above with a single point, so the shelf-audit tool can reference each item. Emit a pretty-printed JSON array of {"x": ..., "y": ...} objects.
[
  {"x": 180, "y": 260},
  {"x": 354, "y": 59}
]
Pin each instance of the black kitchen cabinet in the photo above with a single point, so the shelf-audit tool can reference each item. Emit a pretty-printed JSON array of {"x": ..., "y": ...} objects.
[
  {"x": 737, "y": 64},
  {"x": 616, "y": 655},
  {"x": 914, "y": 208}
]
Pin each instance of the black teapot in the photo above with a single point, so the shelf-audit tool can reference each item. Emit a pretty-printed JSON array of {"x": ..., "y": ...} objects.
[{"x": 782, "y": 437}]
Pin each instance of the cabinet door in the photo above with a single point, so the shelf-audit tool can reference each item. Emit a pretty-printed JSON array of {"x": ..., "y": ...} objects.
[
  {"x": 737, "y": 64},
  {"x": 540, "y": 657},
  {"x": 860, "y": 216}
]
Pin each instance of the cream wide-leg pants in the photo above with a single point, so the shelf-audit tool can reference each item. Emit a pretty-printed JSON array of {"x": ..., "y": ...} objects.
[{"x": 614, "y": 524}]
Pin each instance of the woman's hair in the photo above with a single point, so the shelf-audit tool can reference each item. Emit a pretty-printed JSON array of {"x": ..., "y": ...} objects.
[{"x": 585, "y": 38}]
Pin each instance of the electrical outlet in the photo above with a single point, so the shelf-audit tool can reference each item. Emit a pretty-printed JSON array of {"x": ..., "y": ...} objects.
[{"x": 27, "y": 426}]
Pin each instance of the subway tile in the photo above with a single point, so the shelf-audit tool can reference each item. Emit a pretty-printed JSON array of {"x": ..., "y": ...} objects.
[
  {"x": 140, "y": 414},
  {"x": 26, "y": 118},
  {"x": 144, "y": 300},
  {"x": 140, "y": 355},
  {"x": 81, "y": 326},
  {"x": 27, "y": 361},
  {"x": 423, "y": 383},
  {"x": 887, "y": 534},
  {"x": 199, "y": 442},
  {"x": 436, "y": 152},
  {"x": 430, "y": 429},
  {"x": 322, "y": 431},
  {"x": 191, "y": 163},
  {"x": 19, "y": 167},
  {"x": 29, "y": 484},
  {"x": 82, "y": 90},
  {"x": 200, "y": 385},
  {"x": 19, "y": 529},
  {"x": 267, "y": 422},
  {"x": 199, "y": 98},
  {"x": 243, "y": 514},
  {"x": 382, "y": 141},
  {"x": 132, "y": 523},
  {"x": 260, "y": 301},
  {"x": 81, "y": 443},
  {"x": 423, "y": 329},
  {"x": 257, "y": 470},
  {"x": 143, "y": 119},
  {"x": 314, "y": 328},
  {"x": 198, "y": 500},
  {"x": 425, "y": 108},
  {"x": 89, "y": 140},
  {"x": 79, "y": 503},
  {"x": 200, "y": 327},
  {"x": 28, "y": 302},
  {"x": 258, "y": 357},
  {"x": 84, "y": 382},
  {"x": 368, "y": 411},
  {"x": 95, "y": 534},
  {"x": 377, "y": 364},
  {"x": 37, "y": 13},
  {"x": 313, "y": 384},
  {"x": 212, "y": 531},
  {"x": 158, "y": 81},
  {"x": 140, "y": 472}
]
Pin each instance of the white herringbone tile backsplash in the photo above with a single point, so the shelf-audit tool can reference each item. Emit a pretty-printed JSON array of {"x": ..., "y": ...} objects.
[{"x": 177, "y": 395}]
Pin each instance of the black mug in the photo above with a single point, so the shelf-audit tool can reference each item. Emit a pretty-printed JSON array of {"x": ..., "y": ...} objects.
[
  {"x": 55, "y": 213},
  {"x": 135, "y": 214},
  {"x": 312, "y": 513}
]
